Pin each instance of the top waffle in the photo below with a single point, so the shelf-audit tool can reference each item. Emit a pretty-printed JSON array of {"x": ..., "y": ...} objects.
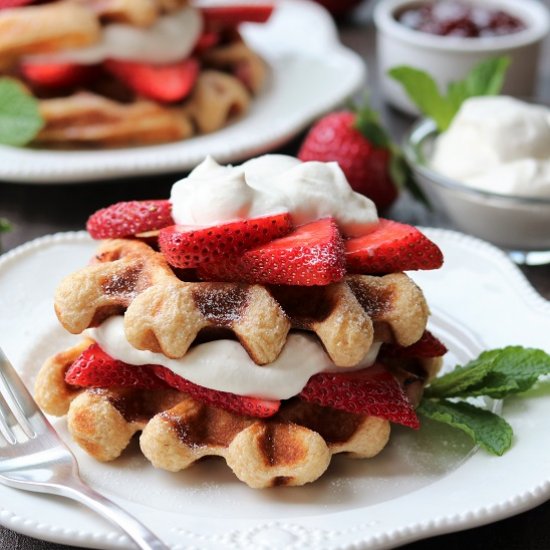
[
  {"x": 71, "y": 23},
  {"x": 163, "y": 313}
]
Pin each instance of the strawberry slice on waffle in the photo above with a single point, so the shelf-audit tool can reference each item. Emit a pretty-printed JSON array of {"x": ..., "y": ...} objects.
[
  {"x": 231, "y": 16},
  {"x": 392, "y": 247},
  {"x": 372, "y": 391},
  {"x": 57, "y": 75},
  {"x": 14, "y": 3},
  {"x": 312, "y": 254},
  {"x": 125, "y": 219},
  {"x": 186, "y": 247},
  {"x": 428, "y": 346},
  {"x": 96, "y": 369},
  {"x": 167, "y": 83},
  {"x": 248, "y": 406}
]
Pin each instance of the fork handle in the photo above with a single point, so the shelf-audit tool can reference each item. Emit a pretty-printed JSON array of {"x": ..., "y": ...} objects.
[{"x": 142, "y": 537}]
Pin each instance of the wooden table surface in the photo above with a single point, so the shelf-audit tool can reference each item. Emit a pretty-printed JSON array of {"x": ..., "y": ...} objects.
[{"x": 40, "y": 210}]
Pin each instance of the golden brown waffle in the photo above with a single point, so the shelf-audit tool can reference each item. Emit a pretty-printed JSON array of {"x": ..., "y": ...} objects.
[
  {"x": 134, "y": 12},
  {"x": 292, "y": 448},
  {"x": 216, "y": 99},
  {"x": 65, "y": 24},
  {"x": 89, "y": 119},
  {"x": 46, "y": 28},
  {"x": 164, "y": 314},
  {"x": 85, "y": 118},
  {"x": 239, "y": 58}
]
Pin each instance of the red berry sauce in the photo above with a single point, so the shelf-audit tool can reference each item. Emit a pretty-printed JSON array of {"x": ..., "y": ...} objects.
[{"x": 456, "y": 18}]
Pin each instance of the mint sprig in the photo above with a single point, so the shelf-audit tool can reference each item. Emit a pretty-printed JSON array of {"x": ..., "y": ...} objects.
[
  {"x": 486, "y": 78},
  {"x": 20, "y": 119},
  {"x": 498, "y": 373}
]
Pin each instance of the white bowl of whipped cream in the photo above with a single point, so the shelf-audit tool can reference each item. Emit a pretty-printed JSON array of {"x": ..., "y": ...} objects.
[{"x": 490, "y": 170}]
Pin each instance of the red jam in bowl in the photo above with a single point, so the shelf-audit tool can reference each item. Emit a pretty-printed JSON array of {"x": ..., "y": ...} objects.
[{"x": 456, "y": 18}]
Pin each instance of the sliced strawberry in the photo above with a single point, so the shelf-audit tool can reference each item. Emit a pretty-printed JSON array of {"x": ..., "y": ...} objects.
[
  {"x": 125, "y": 219},
  {"x": 312, "y": 254},
  {"x": 392, "y": 247},
  {"x": 96, "y": 369},
  {"x": 249, "y": 406},
  {"x": 207, "y": 40},
  {"x": 427, "y": 346},
  {"x": 57, "y": 75},
  {"x": 232, "y": 16},
  {"x": 372, "y": 391},
  {"x": 14, "y": 3},
  {"x": 189, "y": 247},
  {"x": 165, "y": 83}
]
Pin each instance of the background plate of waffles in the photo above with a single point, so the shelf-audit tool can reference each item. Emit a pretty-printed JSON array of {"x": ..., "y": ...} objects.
[
  {"x": 305, "y": 78},
  {"x": 422, "y": 484}
]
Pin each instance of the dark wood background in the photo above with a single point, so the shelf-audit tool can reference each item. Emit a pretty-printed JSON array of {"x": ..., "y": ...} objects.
[{"x": 43, "y": 209}]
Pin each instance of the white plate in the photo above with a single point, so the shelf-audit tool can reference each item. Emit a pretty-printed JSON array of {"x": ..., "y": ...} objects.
[
  {"x": 424, "y": 483},
  {"x": 311, "y": 73}
]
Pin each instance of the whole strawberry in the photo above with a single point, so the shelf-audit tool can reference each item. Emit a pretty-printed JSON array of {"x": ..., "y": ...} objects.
[{"x": 361, "y": 147}]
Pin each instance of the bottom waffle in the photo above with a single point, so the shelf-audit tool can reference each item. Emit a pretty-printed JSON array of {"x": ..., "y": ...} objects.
[
  {"x": 86, "y": 118},
  {"x": 293, "y": 447}
]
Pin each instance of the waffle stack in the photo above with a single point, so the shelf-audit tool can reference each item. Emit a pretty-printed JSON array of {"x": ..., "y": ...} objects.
[
  {"x": 355, "y": 341},
  {"x": 94, "y": 93}
]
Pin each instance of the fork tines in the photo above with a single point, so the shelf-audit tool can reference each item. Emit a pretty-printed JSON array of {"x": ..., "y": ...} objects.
[{"x": 16, "y": 403}]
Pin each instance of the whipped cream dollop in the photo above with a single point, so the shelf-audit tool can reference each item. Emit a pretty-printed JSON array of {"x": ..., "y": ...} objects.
[
  {"x": 224, "y": 365},
  {"x": 271, "y": 184},
  {"x": 497, "y": 144},
  {"x": 171, "y": 38}
]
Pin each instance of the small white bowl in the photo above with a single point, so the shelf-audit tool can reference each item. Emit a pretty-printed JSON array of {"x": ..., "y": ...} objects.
[
  {"x": 511, "y": 222},
  {"x": 449, "y": 58}
]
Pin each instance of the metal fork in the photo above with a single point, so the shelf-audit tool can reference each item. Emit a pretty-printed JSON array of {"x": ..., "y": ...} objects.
[{"x": 34, "y": 458}]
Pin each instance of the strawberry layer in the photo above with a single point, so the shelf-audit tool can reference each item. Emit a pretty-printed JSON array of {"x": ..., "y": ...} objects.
[
  {"x": 224, "y": 365},
  {"x": 371, "y": 391}
]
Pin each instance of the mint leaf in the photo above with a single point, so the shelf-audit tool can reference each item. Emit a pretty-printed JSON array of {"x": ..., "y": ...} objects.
[
  {"x": 487, "y": 429},
  {"x": 494, "y": 385},
  {"x": 457, "y": 94},
  {"x": 423, "y": 92},
  {"x": 497, "y": 373},
  {"x": 461, "y": 379},
  {"x": 486, "y": 78},
  {"x": 5, "y": 225},
  {"x": 20, "y": 118},
  {"x": 524, "y": 365},
  {"x": 515, "y": 370}
]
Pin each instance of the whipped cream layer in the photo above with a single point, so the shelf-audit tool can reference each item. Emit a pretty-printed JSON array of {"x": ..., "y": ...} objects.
[
  {"x": 171, "y": 38},
  {"x": 267, "y": 185},
  {"x": 498, "y": 144},
  {"x": 224, "y": 365}
]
